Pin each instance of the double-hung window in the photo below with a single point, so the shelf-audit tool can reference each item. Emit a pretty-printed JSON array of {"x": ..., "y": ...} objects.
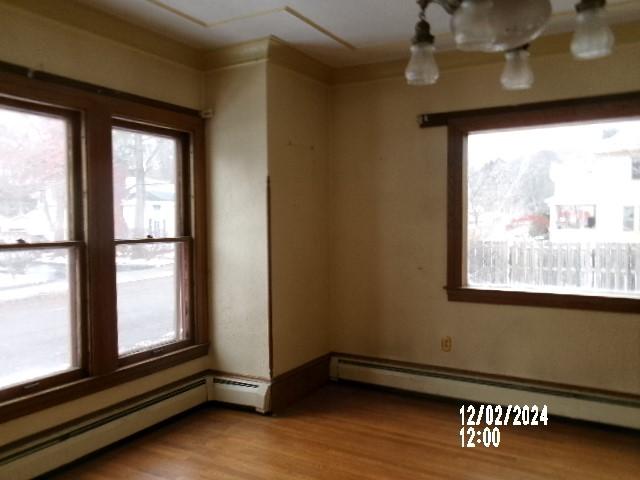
[
  {"x": 152, "y": 238},
  {"x": 541, "y": 205},
  {"x": 41, "y": 247},
  {"x": 102, "y": 248}
]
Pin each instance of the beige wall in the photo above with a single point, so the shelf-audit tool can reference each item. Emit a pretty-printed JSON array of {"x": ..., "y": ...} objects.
[
  {"x": 51, "y": 417},
  {"x": 239, "y": 275},
  {"x": 388, "y": 236},
  {"x": 298, "y": 121},
  {"x": 268, "y": 121},
  {"x": 36, "y": 42}
]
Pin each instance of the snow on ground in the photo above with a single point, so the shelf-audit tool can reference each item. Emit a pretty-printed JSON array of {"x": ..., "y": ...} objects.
[{"x": 17, "y": 290}]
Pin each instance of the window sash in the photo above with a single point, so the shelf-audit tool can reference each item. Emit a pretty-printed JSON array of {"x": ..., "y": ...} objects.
[
  {"x": 183, "y": 229},
  {"x": 184, "y": 298},
  {"x": 74, "y": 244},
  {"x": 461, "y": 124}
]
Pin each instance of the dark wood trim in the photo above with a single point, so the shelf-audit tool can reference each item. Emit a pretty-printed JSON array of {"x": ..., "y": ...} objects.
[
  {"x": 29, "y": 73},
  {"x": 150, "y": 128},
  {"x": 153, "y": 352},
  {"x": 71, "y": 391},
  {"x": 41, "y": 245},
  {"x": 79, "y": 290},
  {"x": 270, "y": 276},
  {"x": 291, "y": 386},
  {"x": 101, "y": 265},
  {"x": 543, "y": 299},
  {"x": 35, "y": 385},
  {"x": 442, "y": 119},
  {"x": 460, "y": 124},
  {"x": 474, "y": 374},
  {"x": 198, "y": 223},
  {"x": 455, "y": 165},
  {"x": 153, "y": 240},
  {"x": 26, "y": 106}
]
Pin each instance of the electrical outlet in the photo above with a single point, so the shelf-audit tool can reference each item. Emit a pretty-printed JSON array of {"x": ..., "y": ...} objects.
[{"x": 446, "y": 343}]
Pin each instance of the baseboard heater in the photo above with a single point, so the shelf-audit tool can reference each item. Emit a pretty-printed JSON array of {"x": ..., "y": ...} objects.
[
  {"x": 607, "y": 409},
  {"x": 64, "y": 446}
]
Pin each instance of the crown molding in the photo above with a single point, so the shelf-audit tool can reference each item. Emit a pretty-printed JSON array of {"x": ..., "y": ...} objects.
[
  {"x": 82, "y": 16},
  {"x": 274, "y": 50},
  {"x": 270, "y": 49},
  {"x": 626, "y": 33},
  {"x": 283, "y": 54},
  {"x": 238, "y": 54}
]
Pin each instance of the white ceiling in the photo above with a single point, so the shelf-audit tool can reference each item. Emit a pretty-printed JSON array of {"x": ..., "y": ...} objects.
[{"x": 336, "y": 32}]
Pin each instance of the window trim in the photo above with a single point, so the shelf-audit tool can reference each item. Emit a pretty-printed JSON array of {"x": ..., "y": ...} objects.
[
  {"x": 74, "y": 243},
  {"x": 460, "y": 124},
  {"x": 182, "y": 235},
  {"x": 96, "y": 110}
]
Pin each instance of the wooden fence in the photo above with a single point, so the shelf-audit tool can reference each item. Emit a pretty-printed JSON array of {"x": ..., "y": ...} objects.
[{"x": 611, "y": 267}]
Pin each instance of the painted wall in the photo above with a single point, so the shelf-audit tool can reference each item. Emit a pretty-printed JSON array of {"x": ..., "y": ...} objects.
[
  {"x": 239, "y": 263},
  {"x": 388, "y": 236},
  {"x": 29, "y": 424},
  {"x": 42, "y": 44},
  {"x": 298, "y": 123}
]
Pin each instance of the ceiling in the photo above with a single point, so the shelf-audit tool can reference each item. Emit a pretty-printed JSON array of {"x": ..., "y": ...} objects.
[{"x": 335, "y": 32}]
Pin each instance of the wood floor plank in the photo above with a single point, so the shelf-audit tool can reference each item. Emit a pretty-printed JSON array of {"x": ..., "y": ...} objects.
[{"x": 345, "y": 432}]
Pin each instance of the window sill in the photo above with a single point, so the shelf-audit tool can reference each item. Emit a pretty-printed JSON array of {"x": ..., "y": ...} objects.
[
  {"x": 539, "y": 299},
  {"x": 29, "y": 404}
]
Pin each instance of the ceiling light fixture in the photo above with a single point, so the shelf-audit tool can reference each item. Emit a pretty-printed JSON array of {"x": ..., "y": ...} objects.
[
  {"x": 517, "y": 73},
  {"x": 505, "y": 26}
]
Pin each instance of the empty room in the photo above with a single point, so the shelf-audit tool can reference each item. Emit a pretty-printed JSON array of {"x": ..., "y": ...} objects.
[{"x": 302, "y": 239}]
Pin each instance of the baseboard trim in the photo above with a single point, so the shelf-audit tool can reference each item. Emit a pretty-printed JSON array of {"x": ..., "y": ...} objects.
[
  {"x": 53, "y": 448},
  {"x": 296, "y": 384},
  {"x": 56, "y": 447},
  {"x": 59, "y": 448},
  {"x": 611, "y": 409}
]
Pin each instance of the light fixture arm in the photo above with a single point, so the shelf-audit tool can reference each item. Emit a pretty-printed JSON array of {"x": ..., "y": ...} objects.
[
  {"x": 423, "y": 29},
  {"x": 449, "y": 6},
  {"x": 590, "y": 5}
]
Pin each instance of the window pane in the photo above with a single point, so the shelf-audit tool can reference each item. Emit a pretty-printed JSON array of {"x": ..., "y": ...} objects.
[
  {"x": 149, "y": 296},
  {"x": 635, "y": 167},
  {"x": 627, "y": 219},
  {"x": 38, "y": 332},
  {"x": 145, "y": 179},
  {"x": 34, "y": 159},
  {"x": 543, "y": 209},
  {"x": 575, "y": 216}
]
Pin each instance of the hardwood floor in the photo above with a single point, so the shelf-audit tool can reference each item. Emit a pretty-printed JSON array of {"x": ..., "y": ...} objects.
[{"x": 348, "y": 432}]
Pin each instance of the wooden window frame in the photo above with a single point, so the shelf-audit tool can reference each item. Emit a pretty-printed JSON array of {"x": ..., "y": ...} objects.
[
  {"x": 183, "y": 235},
  {"x": 75, "y": 243},
  {"x": 93, "y": 111},
  {"x": 460, "y": 124}
]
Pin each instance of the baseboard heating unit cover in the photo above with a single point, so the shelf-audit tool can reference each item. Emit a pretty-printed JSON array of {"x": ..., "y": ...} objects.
[{"x": 602, "y": 408}]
